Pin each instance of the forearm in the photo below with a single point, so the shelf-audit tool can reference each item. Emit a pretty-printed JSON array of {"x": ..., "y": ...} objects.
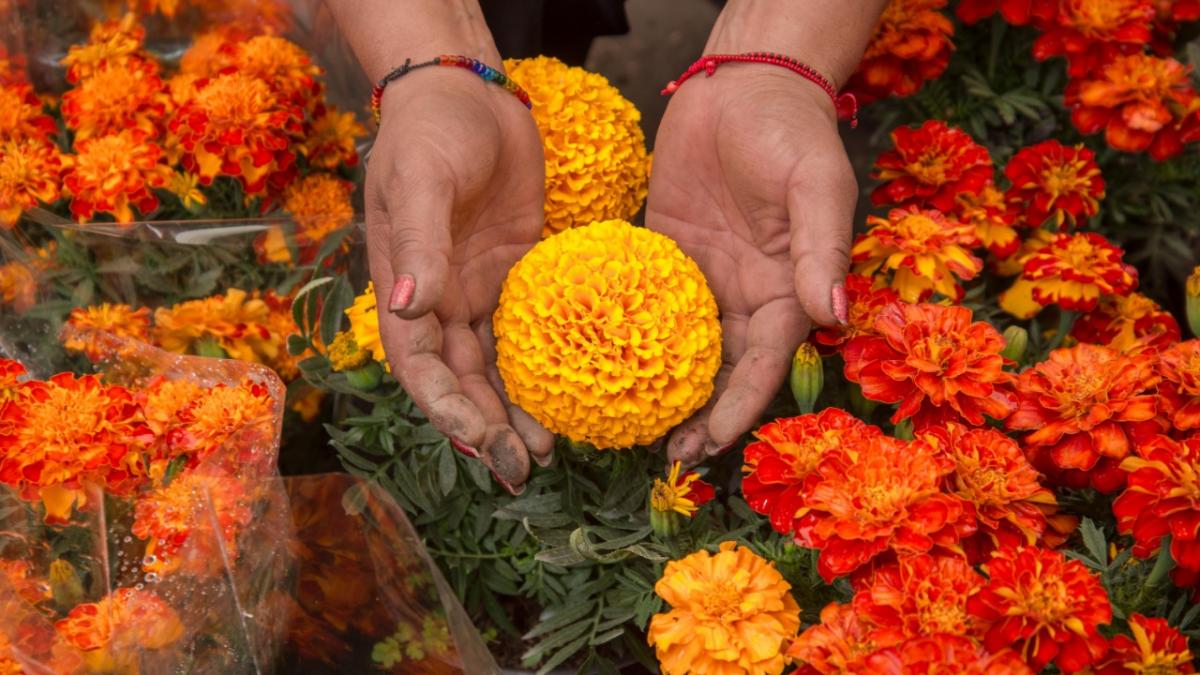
[
  {"x": 384, "y": 33},
  {"x": 829, "y": 35}
]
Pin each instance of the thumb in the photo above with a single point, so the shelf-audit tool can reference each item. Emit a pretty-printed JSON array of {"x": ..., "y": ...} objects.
[
  {"x": 418, "y": 246},
  {"x": 821, "y": 205}
]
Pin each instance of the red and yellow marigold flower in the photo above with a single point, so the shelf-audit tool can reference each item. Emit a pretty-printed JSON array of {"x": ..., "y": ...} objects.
[
  {"x": 918, "y": 595},
  {"x": 1127, "y": 324},
  {"x": 866, "y": 299},
  {"x": 934, "y": 362},
  {"x": 1089, "y": 33},
  {"x": 930, "y": 166},
  {"x": 780, "y": 467},
  {"x": 992, "y": 218},
  {"x": 20, "y": 577},
  {"x": 1179, "y": 390},
  {"x": 1162, "y": 497},
  {"x": 30, "y": 174},
  {"x": 329, "y": 139},
  {"x": 950, "y": 654},
  {"x": 1054, "y": 180},
  {"x": 119, "y": 95},
  {"x": 199, "y": 422},
  {"x": 1085, "y": 407},
  {"x": 1015, "y": 12},
  {"x": 910, "y": 46},
  {"x": 115, "y": 174},
  {"x": 236, "y": 125},
  {"x": 838, "y": 644},
  {"x": 993, "y": 475},
  {"x": 886, "y": 497},
  {"x": 1141, "y": 102},
  {"x": 21, "y": 114},
  {"x": 279, "y": 62},
  {"x": 926, "y": 251},
  {"x": 681, "y": 493},
  {"x": 1044, "y": 606},
  {"x": 115, "y": 319},
  {"x": 116, "y": 41},
  {"x": 1153, "y": 646},
  {"x": 1073, "y": 271},
  {"x": 235, "y": 321},
  {"x": 114, "y": 632},
  {"x": 730, "y": 611}
]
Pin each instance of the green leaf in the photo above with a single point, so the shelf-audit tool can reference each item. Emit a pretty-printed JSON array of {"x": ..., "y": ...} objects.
[
  {"x": 562, "y": 655},
  {"x": 1093, "y": 540},
  {"x": 299, "y": 303},
  {"x": 355, "y": 499},
  {"x": 563, "y": 556},
  {"x": 339, "y": 297},
  {"x": 297, "y": 344},
  {"x": 555, "y": 641},
  {"x": 447, "y": 471},
  {"x": 568, "y": 615}
]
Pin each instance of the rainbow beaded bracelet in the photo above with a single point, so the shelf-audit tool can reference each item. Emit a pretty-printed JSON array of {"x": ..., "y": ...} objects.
[{"x": 483, "y": 70}]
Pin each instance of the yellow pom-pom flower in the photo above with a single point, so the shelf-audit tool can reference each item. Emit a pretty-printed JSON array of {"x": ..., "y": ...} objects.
[
  {"x": 607, "y": 334},
  {"x": 596, "y": 164}
]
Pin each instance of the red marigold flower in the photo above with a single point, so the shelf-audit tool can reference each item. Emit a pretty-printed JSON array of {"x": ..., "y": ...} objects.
[
  {"x": 937, "y": 654},
  {"x": 1051, "y": 179},
  {"x": 121, "y": 625},
  {"x": 780, "y": 467},
  {"x": 329, "y": 140},
  {"x": 115, "y": 174},
  {"x": 865, "y": 302},
  {"x": 235, "y": 125},
  {"x": 885, "y": 497},
  {"x": 1073, "y": 272},
  {"x": 927, "y": 251},
  {"x": 30, "y": 173},
  {"x": 1043, "y": 606},
  {"x": 993, "y": 475},
  {"x": 1155, "y": 647},
  {"x": 992, "y": 218},
  {"x": 1142, "y": 102},
  {"x": 918, "y": 595},
  {"x": 911, "y": 45},
  {"x": 1015, "y": 12},
  {"x": 1161, "y": 498},
  {"x": 935, "y": 362},
  {"x": 930, "y": 166},
  {"x": 119, "y": 95},
  {"x": 1085, "y": 408},
  {"x": 21, "y": 114},
  {"x": 1091, "y": 32},
  {"x": 838, "y": 644},
  {"x": 1179, "y": 391},
  {"x": 114, "y": 41},
  {"x": 279, "y": 62},
  {"x": 1127, "y": 324}
]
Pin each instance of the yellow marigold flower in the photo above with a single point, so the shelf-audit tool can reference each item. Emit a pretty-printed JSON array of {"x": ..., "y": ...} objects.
[
  {"x": 607, "y": 334},
  {"x": 344, "y": 353},
  {"x": 308, "y": 403},
  {"x": 30, "y": 172},
  {"x": 364, "y": 324},
  {"x": 680, "y": 494},
  {"x": 320, "y": 205},
  {"x": 596, "y": 167},
  {"x": 928, "y": 251},
  {"x": 119, "y": 95},
  {"x": 119, "y": 320},
  {"x": 235, "y": 320},
  {"x": 115, "y": 174},
  {"x": 22, "y": 115},
  {"x": 330, "y": 141},
  {"x": 113, "y": 41},
  {"x": 731, "y": 612},
  {"x": 186, "y": 186},
  {"x": 279, "y": 62}
]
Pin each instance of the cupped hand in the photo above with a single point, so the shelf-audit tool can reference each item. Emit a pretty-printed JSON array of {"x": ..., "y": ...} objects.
[
  {"x": 751, "y": 178},
  {"x": 454, "y": 197}
]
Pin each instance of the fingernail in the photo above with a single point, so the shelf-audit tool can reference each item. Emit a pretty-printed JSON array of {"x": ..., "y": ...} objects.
[
  {"x": 402, "y": 292},
  {"x": 464, "y": 448},
  {"x": 514, "y": 491},
  {"x": 841, "y": 306},
  {"x": 712, "y": 450}
]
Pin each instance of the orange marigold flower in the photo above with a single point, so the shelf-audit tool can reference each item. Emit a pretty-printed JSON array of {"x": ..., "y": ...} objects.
[
  {"x": 119, "y": 95},
  {"x": 203, "y": 57},
  {"x": 992, "y": 219},
  {"x": 928, "y": 252},
  {"x": 329, "y": 140},
  {"x": 111, "y": 42},
  {"x": 930, "y": 166},
  {"x": 730, "y": 612},
  {"x": 935, "y": 362},
  {"x": 918, "y": 595},
  {"x": 1127, "y": 324},
  {"x": 1084, "y": 408},
  {"x": 1051, "y": 179},
  {"x": 19, "y": 575},
  {"x": 1155, "y": 647},
  {"x": 1162, "y": 497},
  {"x": 911, "y": 45},
  {"x": 1141, "y": 102},
  {"x": 30, "y": 173},
  {"x": 114, "y": 632},
  {"x": 320, "y": 205},
  {"x": 115, "y": 174},
  {"x": 993, "y": 475},
  {"x": 279, "y": 62},
  {"x": 1073, "y": 271},
  {"x": 838, "y": 644},
  {"x": 865, "y": 302},
  {"x": 934, "y": 654},
  {"x": 236, "y": 321},
  {"x": 780, "y": 467},
  {"x": 22, "y": 115},
  {"x": 281, "y": 324},
  {"x": 1179, "y": 390},
  {"x": 1089, "y": 33},
  {"x": 1016, "y": 12},
  {"x": 235, "y": 125},
  {"x": 885, "y": 497},
  {"x": 119, "y": 320}
]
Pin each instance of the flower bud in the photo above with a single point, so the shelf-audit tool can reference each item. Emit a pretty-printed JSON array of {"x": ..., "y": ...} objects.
[
  {"x": 65, "y": 584},
  {"x": 904, "y": 429},
  {"x": 210, "y": 348},
  {"x": 365, "y": 378},
  {"x": 807, "y": 377},
  {"x": 665, "y": 524},
  {"x": 1193, "y": 301},
  {"x": 1016, "y": 342}
]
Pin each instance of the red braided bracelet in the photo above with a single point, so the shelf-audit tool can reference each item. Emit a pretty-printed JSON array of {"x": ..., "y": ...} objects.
[{"x": 845, "y": 104}]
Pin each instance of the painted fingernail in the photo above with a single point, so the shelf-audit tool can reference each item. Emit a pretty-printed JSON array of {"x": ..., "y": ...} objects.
[
  {"x": 841, "y": 306},
  {"x": 514, "y": 491},
  {"x": 464, "y": 448},
  {"x": 402, "y": 292}
]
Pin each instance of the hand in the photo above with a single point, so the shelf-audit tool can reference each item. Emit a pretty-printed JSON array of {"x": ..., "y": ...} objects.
[
  {"x": 454, "y": 197},
  {"x": 751, "y": 178}
]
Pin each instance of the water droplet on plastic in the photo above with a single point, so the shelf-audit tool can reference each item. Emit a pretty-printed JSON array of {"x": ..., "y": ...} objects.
[
  {"x": 149, "y": 560},
  {"x": 127, "y": 539},
  {"x": 140, "y": 586},
  {"x": 152, "y": 578}
]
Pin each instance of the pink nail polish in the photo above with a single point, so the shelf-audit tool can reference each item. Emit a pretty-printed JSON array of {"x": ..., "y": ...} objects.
[
  {"x": 402, "y": 292},
  {"x": 464, "y": 448},
  {"x": 841, "y": 306}
]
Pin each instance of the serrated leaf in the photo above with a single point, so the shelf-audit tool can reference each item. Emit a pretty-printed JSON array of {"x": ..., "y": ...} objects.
[
  {"x": 555, "y": 641},
  {"x": 1093, "y": 541},
  {"x": 567, "y": 615},
  {"x": 563, "y": 556},
  {"x": 562, "y": 655},
  {"x": 447, "y": 471}
]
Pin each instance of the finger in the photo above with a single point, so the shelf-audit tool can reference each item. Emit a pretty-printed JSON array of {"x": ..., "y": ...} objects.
[
  {"x": 690, "y": 443},
  {"x": 821, "y": 203},
  {"x": 538, "y": 440},
  {"x": 772, "y": 336},
  {"x": 416, "y": 237}
]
